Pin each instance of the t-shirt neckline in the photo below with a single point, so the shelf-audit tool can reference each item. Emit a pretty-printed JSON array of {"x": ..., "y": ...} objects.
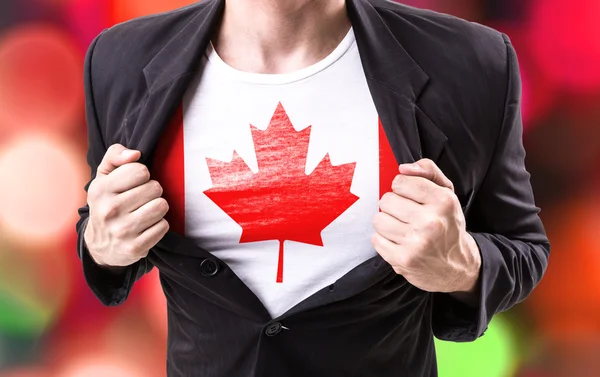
[{"x": 281, "y": 78}]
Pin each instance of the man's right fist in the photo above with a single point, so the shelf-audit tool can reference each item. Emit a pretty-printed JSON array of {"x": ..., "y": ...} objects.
[{"x": 127, "y": 212}]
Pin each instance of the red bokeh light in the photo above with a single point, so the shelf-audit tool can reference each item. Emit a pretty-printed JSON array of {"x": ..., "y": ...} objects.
[
  {"x": 26, "y": 372},
  {"x": 41, "y": 79},
  {"x": 538, "y": 93},
  {"x": 155, "y": 302},
  {"x": 123, "y": 347}
]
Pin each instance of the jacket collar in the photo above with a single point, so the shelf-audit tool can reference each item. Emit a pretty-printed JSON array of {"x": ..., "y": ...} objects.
[
  {"x": 385, "y": 59},
  {"x": 183, "y": 52}
]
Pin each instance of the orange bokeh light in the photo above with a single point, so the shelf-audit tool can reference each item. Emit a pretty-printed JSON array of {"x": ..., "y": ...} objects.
[
  {"x": 125, "y": 10},
  {"x": 41, "y": 79},
  {"x": 567, "y": 301}
]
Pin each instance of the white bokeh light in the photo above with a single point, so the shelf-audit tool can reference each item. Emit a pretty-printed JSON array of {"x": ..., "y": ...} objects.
[
  {"x": 100, "y": 367},
  {"x": 41, "y": 187}
]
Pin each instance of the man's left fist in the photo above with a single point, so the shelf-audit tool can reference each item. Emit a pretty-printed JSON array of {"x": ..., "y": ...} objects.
[{"x": 421, "y": 231}]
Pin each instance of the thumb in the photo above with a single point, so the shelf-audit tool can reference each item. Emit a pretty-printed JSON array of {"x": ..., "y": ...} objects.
[{"x": 115, "y": 156}]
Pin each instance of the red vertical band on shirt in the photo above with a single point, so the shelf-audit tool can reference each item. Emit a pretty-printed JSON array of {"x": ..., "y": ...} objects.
[
  {"x": 388, "y": 166},
  {"x": 168, "y": 170}
]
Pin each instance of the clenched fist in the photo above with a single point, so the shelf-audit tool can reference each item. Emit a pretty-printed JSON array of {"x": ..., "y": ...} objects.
[
  {"x": 126, "y": 210},
  {"x": 421, "y": 232}
]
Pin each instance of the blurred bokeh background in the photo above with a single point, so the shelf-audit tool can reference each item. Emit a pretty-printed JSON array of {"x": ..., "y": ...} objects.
[{"x": 52, "y": 326}]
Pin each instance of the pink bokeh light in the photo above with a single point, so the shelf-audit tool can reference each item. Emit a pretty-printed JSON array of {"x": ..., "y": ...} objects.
[
  {"x": 86, "y": 19},
  {"x": 565, "y": 41}
]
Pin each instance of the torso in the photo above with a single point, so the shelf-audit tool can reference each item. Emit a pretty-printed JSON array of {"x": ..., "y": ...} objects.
[{"x": 291, "y": 212}]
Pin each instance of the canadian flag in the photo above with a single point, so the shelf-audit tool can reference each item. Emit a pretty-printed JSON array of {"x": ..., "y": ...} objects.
[{"x": 278, "y": 202}]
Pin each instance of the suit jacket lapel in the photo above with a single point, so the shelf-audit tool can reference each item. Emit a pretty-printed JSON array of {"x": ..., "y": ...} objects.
[
  {"x": 395, "y": 81},
  {"x": 169, "y": 73}
]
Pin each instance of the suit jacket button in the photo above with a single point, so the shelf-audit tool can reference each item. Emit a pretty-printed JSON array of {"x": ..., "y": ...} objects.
[
  {"x": 209, "y": 267},
  {"x": 273, "y": 329}
]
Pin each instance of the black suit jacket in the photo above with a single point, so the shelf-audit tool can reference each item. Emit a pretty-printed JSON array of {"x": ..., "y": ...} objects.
[{"x": 444, "y": 89}]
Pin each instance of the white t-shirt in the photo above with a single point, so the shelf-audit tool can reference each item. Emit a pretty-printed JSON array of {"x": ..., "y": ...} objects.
[{"x": 278, "y": 175}]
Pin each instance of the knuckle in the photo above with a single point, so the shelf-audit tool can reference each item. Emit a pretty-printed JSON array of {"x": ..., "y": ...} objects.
[
  {"x": 162, "y": 205},
  {"x": 439, "y": 225},
  {"x": 139, "y": 170},
  {"x": 143, "y": 172},
  {"x": 163, "y": 228},
  {"x": 136, "y": 249},
  {"x": 386, "y": 199},
  {"x": 96, "y": 189},
  {"x": 377, "y": 219},
  {"x": 406, "y": 262},
  {"x": 120, "y": 232},
  {"x": 409, "y": 261},
  {"x": 157, "y": 189},
  {"x": 446, "y": 198},
  {"x": 374, "y": 239},
  {"x": 92, "y": 193},
  {"x": 109, "y": 211},
  {"x": 114, "y": 149},
  {"x": 130, "y": 249},
  {"x": 427, "y": 162},
  {"x": 431, "y": 220},
  {"x": 165, "y": 225},
  {"x": 142, "y": 253},
  {"x": 398, "y": 179},
  {"x": 414, "y": 239}
]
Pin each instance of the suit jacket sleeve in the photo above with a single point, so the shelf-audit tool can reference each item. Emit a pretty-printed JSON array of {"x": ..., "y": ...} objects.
[
  {"x": 505, "y": 224},
  {"x": 110, "y": 288}
]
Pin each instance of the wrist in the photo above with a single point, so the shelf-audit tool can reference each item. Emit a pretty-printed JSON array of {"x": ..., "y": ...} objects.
[
  {"x": 117, "y": 270},
  {"x": 95, "y": 257},
  {"x": 468, "y": 291},
  {"x": 473, "y": 267},
  {"x": 109, "y": 268}
]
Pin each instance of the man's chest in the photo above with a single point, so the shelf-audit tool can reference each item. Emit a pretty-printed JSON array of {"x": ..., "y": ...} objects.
[{"x": 281, "y": 183}]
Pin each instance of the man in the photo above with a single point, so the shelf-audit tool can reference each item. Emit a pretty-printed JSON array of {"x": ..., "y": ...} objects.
[{"x": 323, "y": 185}]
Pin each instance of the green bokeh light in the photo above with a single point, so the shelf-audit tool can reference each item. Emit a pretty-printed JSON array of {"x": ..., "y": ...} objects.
[
  {"x": 492, "y": 355},
  {"x": 24, "y": 310},
  {"x": 19, "y": 316}
]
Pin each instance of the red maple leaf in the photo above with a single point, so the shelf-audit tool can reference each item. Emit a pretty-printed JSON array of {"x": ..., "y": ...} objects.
[{"x": 281, "y": 202}]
